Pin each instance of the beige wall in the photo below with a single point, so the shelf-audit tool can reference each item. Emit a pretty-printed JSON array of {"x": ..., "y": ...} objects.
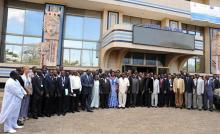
[
  {"x": 207, "y": 50},
  {"x": 214, "y": 3}
]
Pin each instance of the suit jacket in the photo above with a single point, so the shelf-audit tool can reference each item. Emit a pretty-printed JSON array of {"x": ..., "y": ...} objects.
[
  {"x": 49, "y": 86},
  {"x": 37, "y": 85},
  {"x": 135, "y": 85},
  {"x": 87, "y": 83},
  {"x": 63, "y": 83},
  {"x": 189, "y": 84},
  {"x": 87, "y": 80},
  {"x": 166, "y": 85},
  {"x": 104, "y": 86},
  {"x": 141, "y": 85},
  {"x": 149, "y": 85},
  {"x": 182, "y": 85},
  {"x": 162, "y": 85},
  {"x": 216, "y": 83},
  {"x": 130, "y": 87},
  {"x": 209, "y": 87}
]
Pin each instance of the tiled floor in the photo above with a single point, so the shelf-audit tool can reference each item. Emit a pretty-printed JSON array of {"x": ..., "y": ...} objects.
[{"x": 128, "y": 121}]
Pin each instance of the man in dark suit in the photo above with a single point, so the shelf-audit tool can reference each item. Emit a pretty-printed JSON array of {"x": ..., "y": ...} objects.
[
  {"x": 162, "y": 91},
  {"x": 50, "y": 95},
  {"x": 128, "y": 101},
  {"x": 189, "y": 85},
  {"x": 37, "y": 85},
  {"x": 148, "y": 90},
  {"x": 64, "y": 90},
  {"x": 167, "y": 91},
  {"x": 105, "y": 88},
  {"x": 216, "y": 82},
  {"x": 87, "y": 85},
  {"x": 141, "y": 89},
  {"x": 57, "y": 109},
  {"x": 134, "y": 90}
]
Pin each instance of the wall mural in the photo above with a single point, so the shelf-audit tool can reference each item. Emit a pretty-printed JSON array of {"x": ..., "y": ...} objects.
[{"x": 52, "y": 26}]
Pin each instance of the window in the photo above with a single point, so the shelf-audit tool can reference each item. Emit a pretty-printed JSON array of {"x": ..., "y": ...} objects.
[
  {"x": 151, "y": 59},
  {"x": 81, "y": 40},
  {"x": 135, "y": 20},
  {"x": 174, "y": 25},
  {"x": 23, "y": 34},
  {"x": 191, "y": 29},
  {"x": 74, "y": 27},
  {"x": 138, "y": 59},
  {"x": 127, "y": 59},
  {"x": 198, "y": 32},
  {"x": 193, "y": 65},
  {"x": 113, "y": 18},
  {"x": 91, "y": 29}
]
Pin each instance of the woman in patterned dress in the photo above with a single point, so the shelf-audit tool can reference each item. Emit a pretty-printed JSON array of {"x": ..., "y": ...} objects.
[{"x": 113, "y": 99}]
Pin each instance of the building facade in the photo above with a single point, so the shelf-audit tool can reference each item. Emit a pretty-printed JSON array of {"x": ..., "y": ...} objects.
[{"x": 144, "y": 35}]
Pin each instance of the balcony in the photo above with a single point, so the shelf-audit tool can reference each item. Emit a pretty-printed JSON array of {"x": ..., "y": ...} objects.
[{"x": 150, "y": 38}]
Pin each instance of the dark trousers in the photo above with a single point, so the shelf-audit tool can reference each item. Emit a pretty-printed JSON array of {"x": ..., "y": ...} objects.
[
  {"x": 147, "y": 99},
  {"x": 140, "y": 99},
  {"x": 133, "y": 100},
  {"x": 59, "y": 105},
  {"x": 161, "y": 99},
  {"x": 66, "y": 104},
  {"x": 47, "y": 106},
  {"x": 53, "y": 104},
  {"x": 166, "y": 98},
  {"x": 75, "y": 100},
  {"x": 208, "y": 97},
  {"x": 86, "y": 98},
  {"x": 128, "y": 101},
  {"x": 104, "y": 100},
  {"x": 36, "y": 106}
]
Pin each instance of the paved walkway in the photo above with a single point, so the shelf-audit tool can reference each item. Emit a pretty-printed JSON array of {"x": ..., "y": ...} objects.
[{"x": 128, "y": 121}]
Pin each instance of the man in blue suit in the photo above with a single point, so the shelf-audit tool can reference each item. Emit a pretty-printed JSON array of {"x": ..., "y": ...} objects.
[
  {"x": 87, "y": 85},
  {"x": 208, "y": 93},
  {"x": 64, "y": 90}
]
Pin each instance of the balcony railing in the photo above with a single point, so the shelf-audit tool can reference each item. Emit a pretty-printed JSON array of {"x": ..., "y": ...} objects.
[{"x": 125, "y": 33}]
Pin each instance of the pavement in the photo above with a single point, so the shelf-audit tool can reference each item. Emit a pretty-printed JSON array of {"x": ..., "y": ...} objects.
[{"x": 128, "y": 121}]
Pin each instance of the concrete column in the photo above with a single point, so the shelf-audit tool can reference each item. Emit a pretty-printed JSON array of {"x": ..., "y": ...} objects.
[
  {"x": 1, "y": 28},
  {"x": 165, "y": 22},
  {"x": 207, "y": 50},
  {"x": 104, "y": 21}
]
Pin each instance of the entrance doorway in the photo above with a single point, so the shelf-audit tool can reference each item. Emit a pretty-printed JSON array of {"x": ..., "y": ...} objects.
[{"x": 140, "y": 68}]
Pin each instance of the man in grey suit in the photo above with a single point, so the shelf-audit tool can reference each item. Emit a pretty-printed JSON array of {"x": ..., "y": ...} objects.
[
  {"x": 208, "y": 93},
  {"x": 87, "y": 85},
  {"x": 134, "y": 90}
]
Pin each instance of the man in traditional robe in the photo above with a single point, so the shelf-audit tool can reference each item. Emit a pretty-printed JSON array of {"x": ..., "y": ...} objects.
[
  {"x": 13, "y": 95},
  {"x": 123, "y": 88}
]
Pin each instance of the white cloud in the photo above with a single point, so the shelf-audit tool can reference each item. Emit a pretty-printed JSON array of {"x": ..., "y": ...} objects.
[{"x": 16, "y": 14}]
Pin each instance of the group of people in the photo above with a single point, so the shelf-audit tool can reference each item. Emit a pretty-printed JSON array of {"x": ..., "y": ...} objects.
[{"x": 37, "y": 93}]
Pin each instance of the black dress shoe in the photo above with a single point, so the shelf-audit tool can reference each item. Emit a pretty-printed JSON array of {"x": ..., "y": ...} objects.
[
  {"x": 89, "y": 111},
  {"x": 35, "y": 117},
  {"x": 20, "y": 123},
  {"x": 77, "y": 111}
]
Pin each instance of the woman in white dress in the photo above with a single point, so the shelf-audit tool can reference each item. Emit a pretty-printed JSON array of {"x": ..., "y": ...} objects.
[{"x": 95, "y": 93}]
